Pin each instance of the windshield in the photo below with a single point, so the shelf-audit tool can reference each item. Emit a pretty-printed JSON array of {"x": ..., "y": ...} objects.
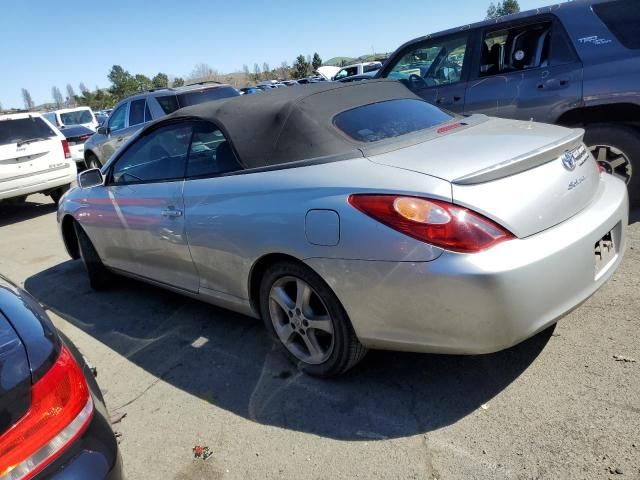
[
  {"x": 377, "y": 121},
  {"x": 200, "y": 96},
  {"x": 22, "y": 129},
  {"x": 76, "y": 118}
]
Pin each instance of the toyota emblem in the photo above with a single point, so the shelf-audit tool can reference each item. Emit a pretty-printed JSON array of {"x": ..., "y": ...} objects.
[{"x": 568, "y": 161}]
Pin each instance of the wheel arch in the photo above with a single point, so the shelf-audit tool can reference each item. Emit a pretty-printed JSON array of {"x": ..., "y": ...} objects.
[
  {"x": 621, "y": 113},
  {"x": 69, "y": 236},
  {"x": 258, "y": 269}
]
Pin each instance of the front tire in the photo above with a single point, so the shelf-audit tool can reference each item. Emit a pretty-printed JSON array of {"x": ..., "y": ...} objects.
[
  {"x": 57, "y": 194},
  {"x": 99, "y": 276},
  {"x": 91, "y": 161},
  {"x": 306, "y": 319},
  {"x": 617, "y": 149}
]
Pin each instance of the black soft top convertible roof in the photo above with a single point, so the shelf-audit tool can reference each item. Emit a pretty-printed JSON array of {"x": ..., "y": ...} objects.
[{"x": 291, "y": 124}]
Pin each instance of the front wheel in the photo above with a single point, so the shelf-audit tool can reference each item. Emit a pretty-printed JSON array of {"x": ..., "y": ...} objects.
[
  {"x": 617, "y": 149},
  {"x": 99, "y": 276},
  {"x": 305, "y": 317},
  {"x": 57, "y": 194},
  {"x": 91, "y": 161}
]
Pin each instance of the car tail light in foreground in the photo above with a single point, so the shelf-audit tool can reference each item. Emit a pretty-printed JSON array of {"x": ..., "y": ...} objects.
[
  {"x": 435, "y": 222},
  {"x": 65, "y": 148},
  {"x": 61, "y": 408}
]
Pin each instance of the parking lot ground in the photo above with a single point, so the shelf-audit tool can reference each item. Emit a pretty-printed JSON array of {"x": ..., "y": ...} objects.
[{"x": 185, "y": 373}]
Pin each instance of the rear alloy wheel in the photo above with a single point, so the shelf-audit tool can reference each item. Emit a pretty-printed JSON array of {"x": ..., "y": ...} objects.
[
  {"x": 304, "y": 316},
  {"x": 617, "y": 149},
  {"x": 99, "y": 276}
]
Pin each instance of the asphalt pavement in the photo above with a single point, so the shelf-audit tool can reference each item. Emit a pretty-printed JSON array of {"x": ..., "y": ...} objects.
[{"x": 179, "y": 374}]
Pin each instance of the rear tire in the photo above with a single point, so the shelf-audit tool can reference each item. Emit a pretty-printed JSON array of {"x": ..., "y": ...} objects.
[
  {"x": 99, "y": 276},
  {"x": 617, "y": 149},
  {"x": 319, "y": 338}
]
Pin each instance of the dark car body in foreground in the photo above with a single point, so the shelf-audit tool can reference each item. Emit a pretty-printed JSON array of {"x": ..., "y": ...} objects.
[
  {"x": 575, "y": 64},
  {"x": 53, "y": 420}
]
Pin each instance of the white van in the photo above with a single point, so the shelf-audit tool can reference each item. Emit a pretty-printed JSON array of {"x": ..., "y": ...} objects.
[
  {"x": 34, "y": 158},
  {"x": 73, "y": 116}
]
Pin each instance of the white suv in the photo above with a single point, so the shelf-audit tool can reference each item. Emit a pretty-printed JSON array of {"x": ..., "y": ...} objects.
[
  {"x": 34, "y": 158},
  {"x": 73, "y": 116}
]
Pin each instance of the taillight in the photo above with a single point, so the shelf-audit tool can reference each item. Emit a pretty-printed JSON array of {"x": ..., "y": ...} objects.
[
  {"x": 433, "y": 221},
  {"x": 65, "y": 148},
  {"x": 61, "y": 408}
]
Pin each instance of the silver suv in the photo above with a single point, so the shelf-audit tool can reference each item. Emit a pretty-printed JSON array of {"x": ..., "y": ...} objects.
[{"x": 132, "y": 113}]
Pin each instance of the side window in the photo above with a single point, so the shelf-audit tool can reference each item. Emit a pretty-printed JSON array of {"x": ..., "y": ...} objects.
[
  {"x": 169, "y": 103},
  {"x": 341, "y": 74},
  {"x": 136, "y": 112},
  {"x": 158, "y": 156},
  {"x": 435, "y": 62},
  {"x": 147, "y": 113},
  {"x": 515, "y": 49},
  {"x": 117, "y": 118},
  {"x": 211, "y": 153}
]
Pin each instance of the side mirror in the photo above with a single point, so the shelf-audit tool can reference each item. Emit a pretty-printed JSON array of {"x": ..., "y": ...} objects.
[
  {"x": 90, "y": 178},
  {"x": 103, "y": 130}
]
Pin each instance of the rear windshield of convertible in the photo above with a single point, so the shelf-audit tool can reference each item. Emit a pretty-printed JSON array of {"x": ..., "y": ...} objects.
[{"x": 388, "y": 119}]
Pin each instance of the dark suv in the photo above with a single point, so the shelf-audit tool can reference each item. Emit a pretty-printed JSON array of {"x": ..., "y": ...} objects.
[
  {"x": 132, "y": 113},
  {"x": 573, "y": 64}
]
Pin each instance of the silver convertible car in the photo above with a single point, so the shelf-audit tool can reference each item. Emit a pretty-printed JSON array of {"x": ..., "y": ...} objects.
[{"x": 355, "y": 216}]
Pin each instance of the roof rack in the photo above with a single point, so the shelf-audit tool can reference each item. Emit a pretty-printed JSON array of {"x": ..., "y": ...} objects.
[{"x": 204, "y": 82}]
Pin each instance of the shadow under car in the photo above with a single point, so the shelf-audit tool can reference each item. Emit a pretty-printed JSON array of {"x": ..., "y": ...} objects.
[{"x": 228, "y": 360}]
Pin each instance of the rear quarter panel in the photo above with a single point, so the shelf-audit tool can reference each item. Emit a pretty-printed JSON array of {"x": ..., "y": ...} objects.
[{"x": 234, "y": 220}]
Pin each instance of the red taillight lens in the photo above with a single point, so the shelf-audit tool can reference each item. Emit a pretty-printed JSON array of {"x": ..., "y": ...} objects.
[
  {"x": 61, "y": 408},
  {"x": 433, "y": 221},
  {"x": 65, "y": 149}
]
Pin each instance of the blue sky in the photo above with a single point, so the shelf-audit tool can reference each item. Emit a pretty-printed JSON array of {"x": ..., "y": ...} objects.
[{"x": 49, "y": 43}]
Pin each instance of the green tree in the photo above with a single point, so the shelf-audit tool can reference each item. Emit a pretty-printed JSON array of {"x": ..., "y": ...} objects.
[
  {"x": 142, "y": 83},
  {"x": 161, "y": 80},
  {"x": 266, "y": 71},
  {"x": 504, "y": 7},
  {"x": 71, "y": 95},
  {"x": 178, "y": 82},
  {"x": 26, "y": 98},
  {"x": 83, "y": 88},
  {"x": 316, "y": 62},
  {"x": 300, "y": 67},
  {"x": 57, "y": 97},
  {"x": 123, "y": 83}
]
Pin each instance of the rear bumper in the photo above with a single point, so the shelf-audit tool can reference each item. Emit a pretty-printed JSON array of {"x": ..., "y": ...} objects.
[
  {"x": 37, "y": 183},
  {"x": 484, "y": 302},
  {"x": 77, "y": 153}
]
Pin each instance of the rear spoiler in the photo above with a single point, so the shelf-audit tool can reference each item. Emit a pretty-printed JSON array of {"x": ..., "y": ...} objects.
[{"x": 524, "y": 162}]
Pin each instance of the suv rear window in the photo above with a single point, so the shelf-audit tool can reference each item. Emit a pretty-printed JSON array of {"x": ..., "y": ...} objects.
[
  {"x": 76, "y": 118},
  {"x": 623, "y": 19},
  {"x": 388, "y": 119},
  {"x": 21, "y": 129},
  {"x": 195, "y": 97}
]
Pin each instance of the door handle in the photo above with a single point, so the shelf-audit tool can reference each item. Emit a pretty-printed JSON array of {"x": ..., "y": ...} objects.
[
  {"x": 119, "y": 139},
  {"x": 553, "y": 83},
  {"x": 171, "y": 212}
]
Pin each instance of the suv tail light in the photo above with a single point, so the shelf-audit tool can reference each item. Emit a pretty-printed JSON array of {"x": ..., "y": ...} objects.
[
  {"x": 61, "y": 408},
  {"x": 433, "y": 221},
  {"x": 65, "y": 149}
]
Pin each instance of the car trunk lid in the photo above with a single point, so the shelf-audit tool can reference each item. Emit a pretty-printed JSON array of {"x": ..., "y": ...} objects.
[{"x": 510, "y": 171}]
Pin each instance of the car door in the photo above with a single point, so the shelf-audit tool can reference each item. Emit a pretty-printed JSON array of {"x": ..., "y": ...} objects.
[
  {"x": 214, "y": 226},
  {"x": 145, "y": 185},
  {"x": 525, "y": 71},
  {"x": 435, "y": 69}
]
